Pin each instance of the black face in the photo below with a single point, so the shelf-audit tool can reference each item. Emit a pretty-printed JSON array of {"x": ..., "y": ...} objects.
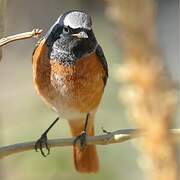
[{"x": 71, "y": 38}]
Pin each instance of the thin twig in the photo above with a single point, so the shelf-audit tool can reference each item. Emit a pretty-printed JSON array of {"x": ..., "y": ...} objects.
[
  {"x": 34, "y": 33},
  {"x": 109, "y": 138}
]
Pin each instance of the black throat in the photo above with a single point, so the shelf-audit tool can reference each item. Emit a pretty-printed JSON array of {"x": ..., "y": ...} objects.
[{"x": 68, "y": 50}]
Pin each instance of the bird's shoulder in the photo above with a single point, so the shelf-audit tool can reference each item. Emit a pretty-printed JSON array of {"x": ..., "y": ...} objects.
[{"x": 99, "y": 52}]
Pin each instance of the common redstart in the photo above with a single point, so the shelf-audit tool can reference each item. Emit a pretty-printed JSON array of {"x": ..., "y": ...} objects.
[{"x": 70, "y": 73}]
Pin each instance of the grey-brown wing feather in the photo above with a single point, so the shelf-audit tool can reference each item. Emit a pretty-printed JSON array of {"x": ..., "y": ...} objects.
[
  {"x": 100, "y": 54},
  {"x": 37, "y": 44}
]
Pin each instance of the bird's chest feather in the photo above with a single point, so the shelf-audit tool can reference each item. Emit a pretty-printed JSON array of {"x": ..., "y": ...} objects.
[{"x": 75, "y": 87}]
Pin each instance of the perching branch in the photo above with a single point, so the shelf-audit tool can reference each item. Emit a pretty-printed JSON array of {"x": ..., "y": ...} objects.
[
  {"x": 108, "y": 138},
  {"x": 34, "y": 33}
]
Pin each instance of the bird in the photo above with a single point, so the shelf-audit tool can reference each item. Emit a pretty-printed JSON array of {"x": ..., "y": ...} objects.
[{"x": 70, "y": 72}]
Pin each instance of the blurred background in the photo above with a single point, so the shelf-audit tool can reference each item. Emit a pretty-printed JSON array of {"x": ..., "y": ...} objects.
[{"x": 24, "y": 116}]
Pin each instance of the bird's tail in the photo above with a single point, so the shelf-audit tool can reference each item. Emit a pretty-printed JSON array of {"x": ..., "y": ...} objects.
[{"x": 86, "y": 160}]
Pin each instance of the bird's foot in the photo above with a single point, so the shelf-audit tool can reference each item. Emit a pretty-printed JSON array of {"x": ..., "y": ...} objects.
[
  {"x": 41, "y": 143},
  {"x": 82, "y": 140}
]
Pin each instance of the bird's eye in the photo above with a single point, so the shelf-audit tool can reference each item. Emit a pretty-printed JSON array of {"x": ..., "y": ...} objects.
[{"x": 66, "y": 30}]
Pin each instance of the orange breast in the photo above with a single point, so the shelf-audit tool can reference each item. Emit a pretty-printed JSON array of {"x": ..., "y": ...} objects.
[{"x": 77, "y": 87}]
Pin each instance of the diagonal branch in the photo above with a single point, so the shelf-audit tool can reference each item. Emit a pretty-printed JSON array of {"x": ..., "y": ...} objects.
[
  {"x": 34, "y": 33},
  {"x": 118, "y": 136}
]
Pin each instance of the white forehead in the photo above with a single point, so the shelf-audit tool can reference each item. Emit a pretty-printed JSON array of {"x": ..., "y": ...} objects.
[{"x": 78, "y": 20}]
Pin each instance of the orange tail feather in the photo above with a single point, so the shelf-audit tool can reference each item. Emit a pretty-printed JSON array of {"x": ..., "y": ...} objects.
[{"x": 85, "y": 161}]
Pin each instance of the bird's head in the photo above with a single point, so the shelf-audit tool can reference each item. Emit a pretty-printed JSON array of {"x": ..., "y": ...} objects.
[{"x": 71, "y": 37}]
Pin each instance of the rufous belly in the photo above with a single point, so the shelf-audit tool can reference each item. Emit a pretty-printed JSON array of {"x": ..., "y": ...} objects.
[{"x": 72, "y": 91}]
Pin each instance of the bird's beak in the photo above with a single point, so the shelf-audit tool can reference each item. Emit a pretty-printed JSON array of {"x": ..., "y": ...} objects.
[{"x": 81, "y": 35}]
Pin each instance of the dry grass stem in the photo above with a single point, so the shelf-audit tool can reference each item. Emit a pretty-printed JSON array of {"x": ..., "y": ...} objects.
[{"x": 149, "y": 93}]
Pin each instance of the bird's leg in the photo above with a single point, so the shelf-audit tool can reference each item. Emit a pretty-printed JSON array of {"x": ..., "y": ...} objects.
[
  {"x": 42, "y": 141},
  {"x": 82, "y": 136}
]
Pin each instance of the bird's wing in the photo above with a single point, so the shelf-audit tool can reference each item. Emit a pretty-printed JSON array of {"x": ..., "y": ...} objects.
[
  {"x": 100, "y": 54},
  {"x": 37, "y": 44}
]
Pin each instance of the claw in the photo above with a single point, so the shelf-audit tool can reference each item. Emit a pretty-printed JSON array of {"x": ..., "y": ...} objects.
[
  {"x": 40, "y": 143},
  {"x": 82, "y": 140}
]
